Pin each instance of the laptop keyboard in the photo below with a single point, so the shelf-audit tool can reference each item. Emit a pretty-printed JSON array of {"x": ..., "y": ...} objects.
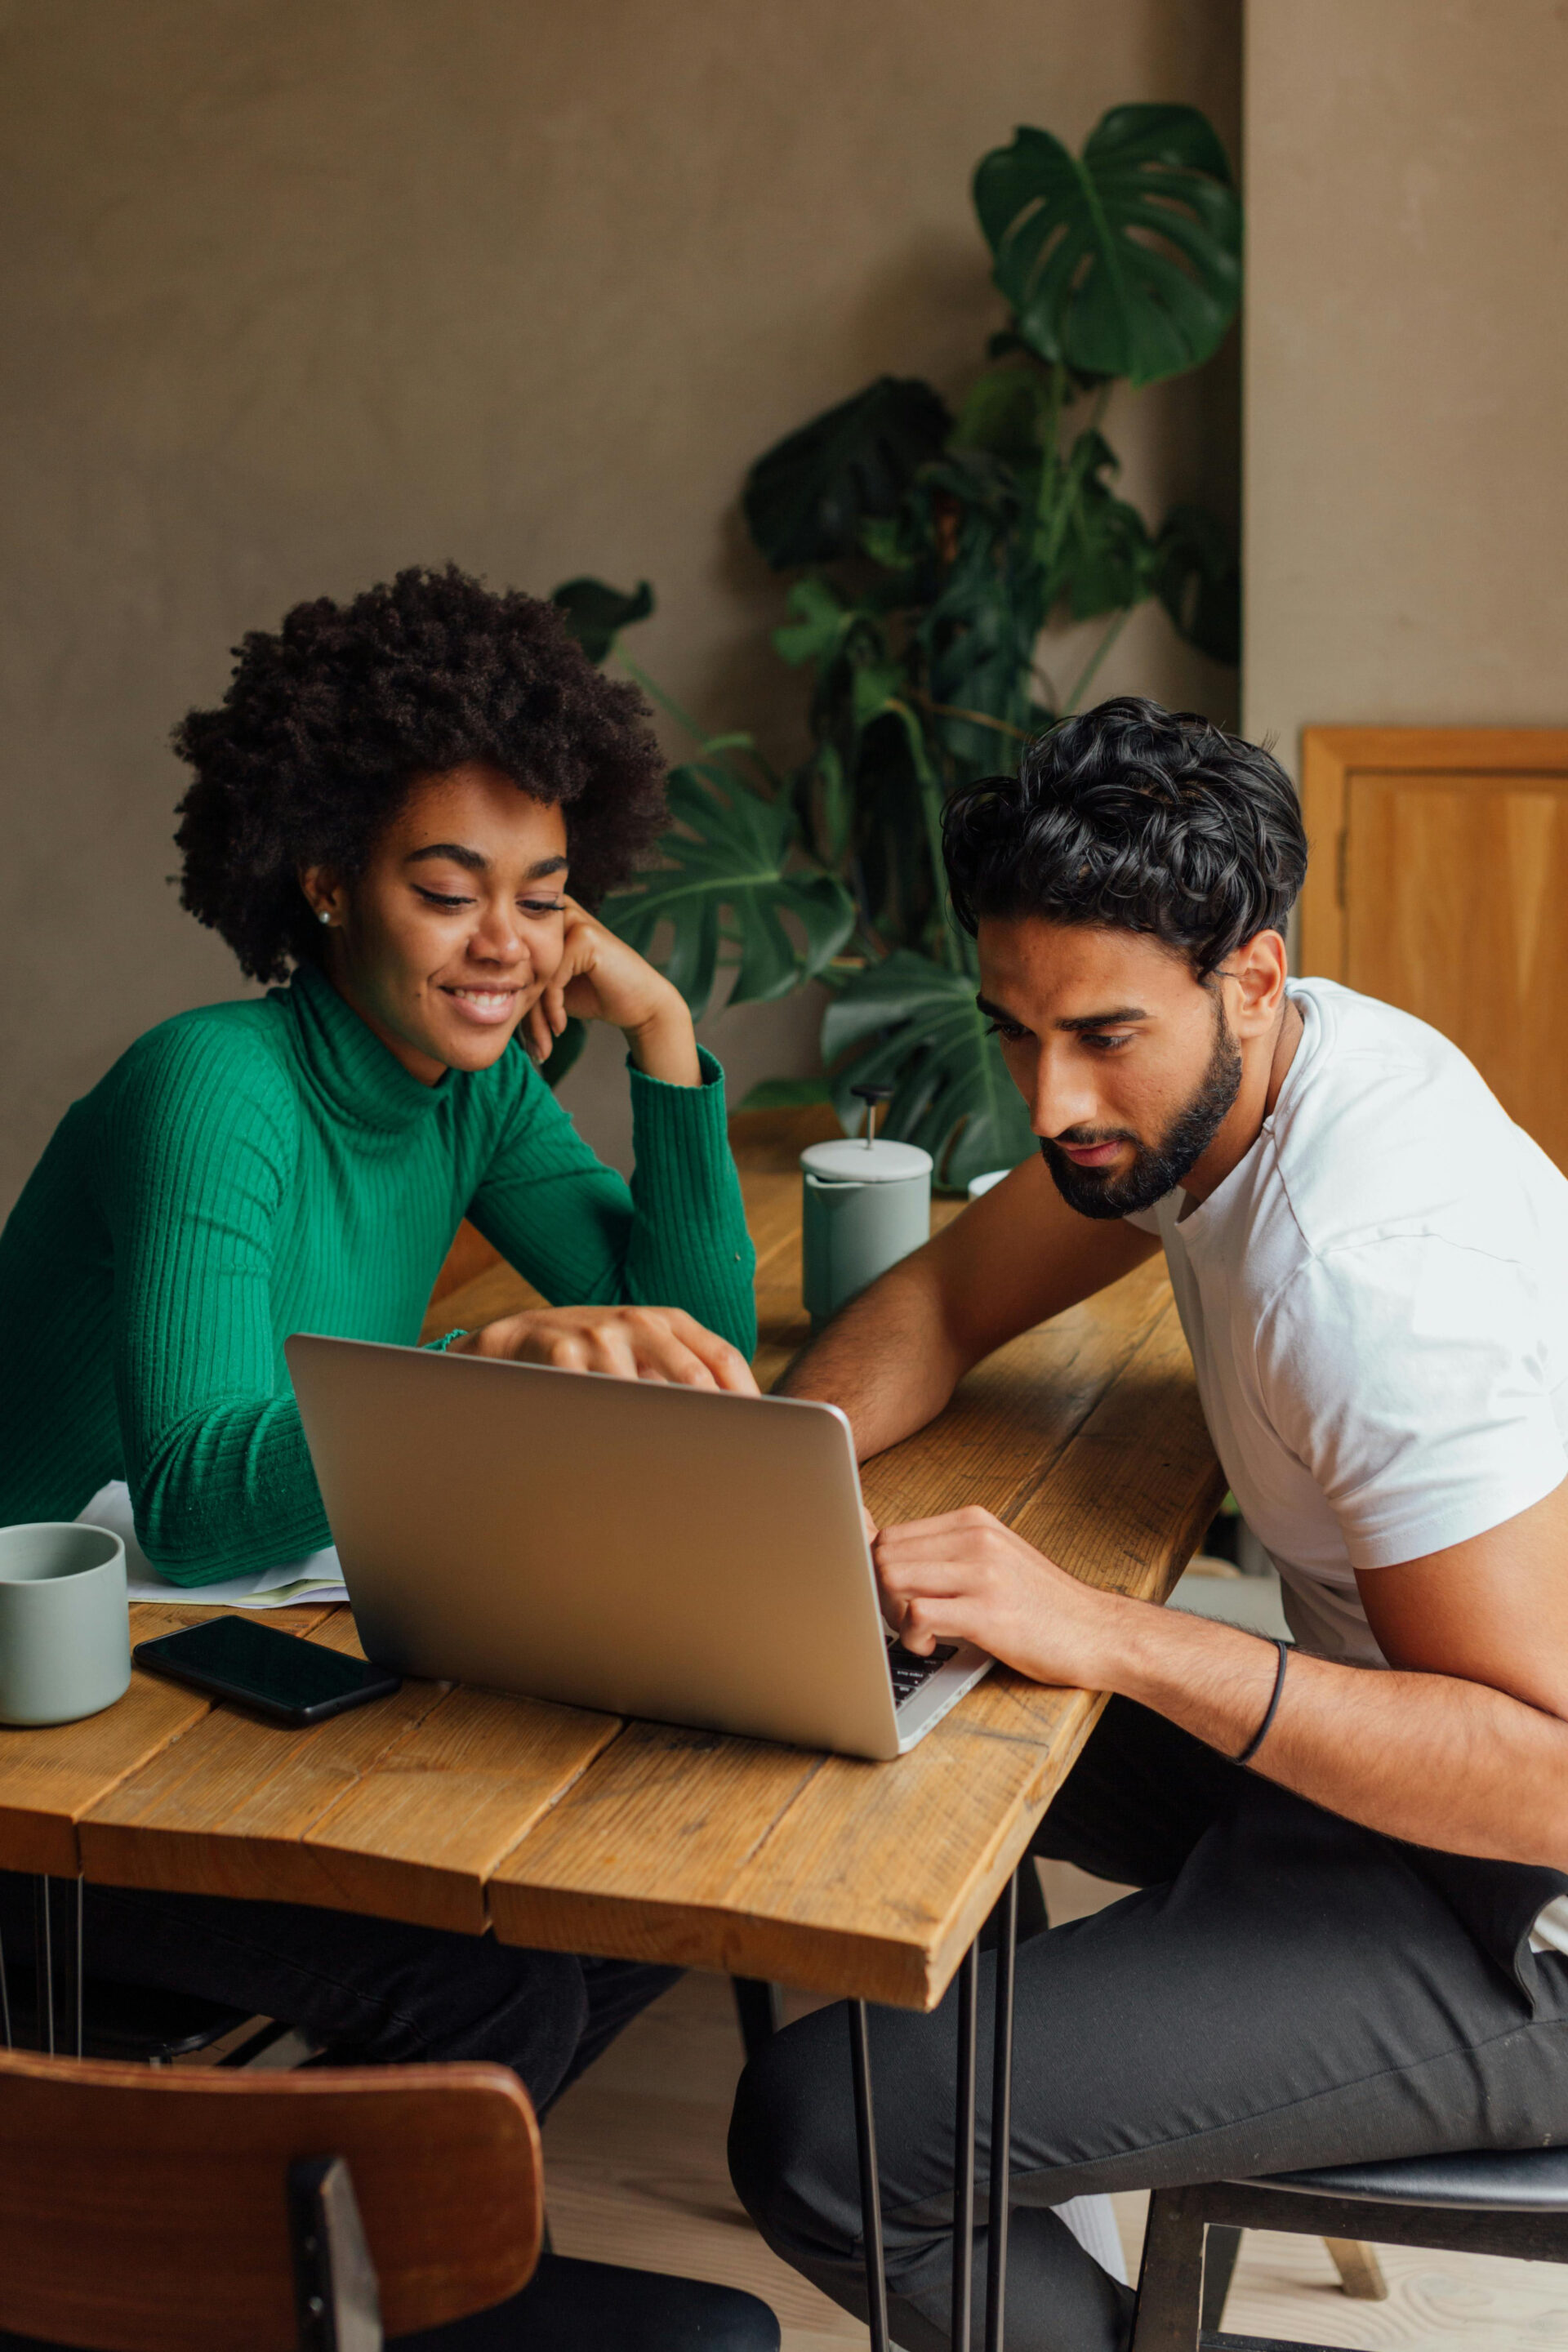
[{"x": 908, "y": 1671}]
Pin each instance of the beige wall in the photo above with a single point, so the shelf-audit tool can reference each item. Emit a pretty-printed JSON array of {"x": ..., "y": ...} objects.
[
  {"x": 297, "y": 291},
  {"x": 1407, "y": 445}
]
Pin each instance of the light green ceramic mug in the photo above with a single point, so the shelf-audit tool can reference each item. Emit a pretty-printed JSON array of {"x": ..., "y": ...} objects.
[{"x": 65, "y": 1623}]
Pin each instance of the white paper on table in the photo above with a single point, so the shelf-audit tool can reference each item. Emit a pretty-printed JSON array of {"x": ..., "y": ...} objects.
[{"x": 316, "y": 1577}]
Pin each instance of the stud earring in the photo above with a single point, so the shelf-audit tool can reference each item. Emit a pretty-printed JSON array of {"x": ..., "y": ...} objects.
[{"x": 325, "y": 915}]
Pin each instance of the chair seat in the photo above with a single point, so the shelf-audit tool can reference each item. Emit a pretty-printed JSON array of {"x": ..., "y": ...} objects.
[
  {"x": 1525, "y": 2180},
  {"x": 136, "y": 2022},
  {"x": 570, "y": 2306}
]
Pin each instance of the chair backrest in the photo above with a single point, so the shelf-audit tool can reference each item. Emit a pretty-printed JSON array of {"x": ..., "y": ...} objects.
[{"x": 146, "y": 2211}]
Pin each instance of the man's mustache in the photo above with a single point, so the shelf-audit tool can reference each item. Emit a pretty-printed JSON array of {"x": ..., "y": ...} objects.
[{"x": 1083, "y": 1139}]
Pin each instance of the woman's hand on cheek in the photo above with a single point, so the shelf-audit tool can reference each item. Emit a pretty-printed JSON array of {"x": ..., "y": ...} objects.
[
  {"x": 599, "y": 977},
  {"x": 965, "y": 1577}
]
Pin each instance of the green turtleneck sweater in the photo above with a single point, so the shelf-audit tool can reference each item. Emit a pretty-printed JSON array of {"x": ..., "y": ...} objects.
[{"x": 251, "y": 1170}]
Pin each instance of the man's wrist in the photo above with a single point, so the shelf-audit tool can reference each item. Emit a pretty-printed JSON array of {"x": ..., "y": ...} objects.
[{"x": 1214, "y": 1680}]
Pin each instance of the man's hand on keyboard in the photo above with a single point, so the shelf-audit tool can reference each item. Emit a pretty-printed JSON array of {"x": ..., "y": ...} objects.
[{"x": 964, "y": 1576}]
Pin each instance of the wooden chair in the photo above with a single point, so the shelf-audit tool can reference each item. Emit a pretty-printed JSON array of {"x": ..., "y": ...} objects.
[
  {"x": 1498, "y": 2202},
  {"x": 192, "y": 2210}
]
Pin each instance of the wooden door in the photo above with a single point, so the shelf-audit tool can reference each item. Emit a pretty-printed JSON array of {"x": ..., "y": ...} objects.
[{"x": 1439, "y": 882}]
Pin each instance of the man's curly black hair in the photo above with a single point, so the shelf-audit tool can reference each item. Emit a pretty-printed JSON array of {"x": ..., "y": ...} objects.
[
  {"x": 327, "y": 723},
  {"x": 1139, "y": 819}
]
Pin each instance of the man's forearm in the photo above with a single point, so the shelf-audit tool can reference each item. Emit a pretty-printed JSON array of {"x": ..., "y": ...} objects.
[
  {"x": 888, "y": 1360},
  {"x": 1424, "y": 1756}
]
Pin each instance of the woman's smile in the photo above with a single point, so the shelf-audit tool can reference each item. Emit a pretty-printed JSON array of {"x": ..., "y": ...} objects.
[{"x": 486, "y": 1007}]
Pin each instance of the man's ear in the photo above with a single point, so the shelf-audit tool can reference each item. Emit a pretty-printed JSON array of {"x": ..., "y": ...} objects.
[{"x": 1259, "y": 968}]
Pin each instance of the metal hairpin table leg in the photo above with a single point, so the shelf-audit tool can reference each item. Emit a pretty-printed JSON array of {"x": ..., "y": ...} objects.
[
  {"x": 43, "y": 1966},
  {"x": 870, "y": 2190},
  {"x": 964, "y": 2147},
  {"x": 963, "y": 2155},
  {"x": 68, "y": 1963},
  {"x": 1002, "y": 2120}
]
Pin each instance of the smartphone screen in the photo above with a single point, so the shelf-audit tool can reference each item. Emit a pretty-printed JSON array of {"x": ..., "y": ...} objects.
[{"x": 283, "y": 1675}]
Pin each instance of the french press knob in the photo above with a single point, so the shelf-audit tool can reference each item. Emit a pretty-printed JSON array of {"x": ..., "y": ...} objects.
[{"x": 871, "y": 1096}]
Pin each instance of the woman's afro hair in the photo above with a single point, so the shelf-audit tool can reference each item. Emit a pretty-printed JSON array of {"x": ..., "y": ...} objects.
[{"x": 327, "y": 724}]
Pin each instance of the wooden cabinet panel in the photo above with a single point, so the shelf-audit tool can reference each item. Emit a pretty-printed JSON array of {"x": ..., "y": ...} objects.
[{"x": 1438, "y": 882}]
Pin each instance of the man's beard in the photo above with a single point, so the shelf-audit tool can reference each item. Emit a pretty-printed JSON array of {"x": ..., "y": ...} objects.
[{"x": 1157, "y": 1168}]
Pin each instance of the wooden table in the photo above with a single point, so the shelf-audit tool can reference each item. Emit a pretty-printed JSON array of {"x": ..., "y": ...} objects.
[{"x": 579, "y": 1831}]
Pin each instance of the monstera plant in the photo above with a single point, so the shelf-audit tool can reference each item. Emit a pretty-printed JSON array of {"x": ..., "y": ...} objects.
[{"x": 932, "y": 552}]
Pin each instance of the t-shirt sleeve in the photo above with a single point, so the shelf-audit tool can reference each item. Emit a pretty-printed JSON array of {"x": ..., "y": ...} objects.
[{"x": 1412, "y": 1378}]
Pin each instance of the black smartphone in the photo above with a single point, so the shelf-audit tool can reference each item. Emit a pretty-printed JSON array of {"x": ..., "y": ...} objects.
[{"x": 281, "y": 1675}]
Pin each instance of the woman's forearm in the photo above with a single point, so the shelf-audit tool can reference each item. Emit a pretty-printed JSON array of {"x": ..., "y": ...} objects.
[
  {"x": 665, "y": 1047},
  {"x": 229, "y": 1490}
]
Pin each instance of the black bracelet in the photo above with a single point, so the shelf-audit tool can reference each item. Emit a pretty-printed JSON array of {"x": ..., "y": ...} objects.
[{"x": 1261, "y": 1734}]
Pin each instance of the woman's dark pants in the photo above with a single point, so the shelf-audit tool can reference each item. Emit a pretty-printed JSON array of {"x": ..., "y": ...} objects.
[{"x": 376, "y": 1991}]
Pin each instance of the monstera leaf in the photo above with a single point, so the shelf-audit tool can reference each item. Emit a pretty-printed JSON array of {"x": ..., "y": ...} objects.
[
  {"x": 597, "y": 614},
  {"x": 1199, "y": 580},
  {"x": 1109, "y": 556},
  {"x": 1124, "y": 261},
  {"x": 729, "y": 878},
  {"x": 565, "y": 1052},
  {"x": 806, "y": 499},
  {"x": 922, "y": 1034}
]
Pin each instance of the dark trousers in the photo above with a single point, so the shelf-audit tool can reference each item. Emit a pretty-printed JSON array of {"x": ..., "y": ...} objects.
[
  {"x": 1284, "y": 1990},
  {"x": 374, "y": 1990}
]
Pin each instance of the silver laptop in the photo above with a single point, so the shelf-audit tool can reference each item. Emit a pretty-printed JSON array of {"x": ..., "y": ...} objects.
[{"x": 649, "y": 1551}]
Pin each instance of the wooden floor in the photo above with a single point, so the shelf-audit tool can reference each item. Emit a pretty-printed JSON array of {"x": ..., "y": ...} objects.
[{"x": 635, "y": 2173}]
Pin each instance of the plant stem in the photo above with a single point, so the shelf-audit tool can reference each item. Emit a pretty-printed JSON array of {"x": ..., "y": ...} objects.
[
  {"x": 656, "y": 693},
  {"x": 1085, "y": 677},
  {"x": 975, "y": 718}
]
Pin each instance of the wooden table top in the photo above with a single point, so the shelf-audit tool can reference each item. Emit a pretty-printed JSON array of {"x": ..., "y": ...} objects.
[{"x": 579, "y": 1831}]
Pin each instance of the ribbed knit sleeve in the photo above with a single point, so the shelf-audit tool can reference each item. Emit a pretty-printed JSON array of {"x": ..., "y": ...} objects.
[
  {"x": 676, "y": 1237},
  {"x": 197, "y": 1161}
]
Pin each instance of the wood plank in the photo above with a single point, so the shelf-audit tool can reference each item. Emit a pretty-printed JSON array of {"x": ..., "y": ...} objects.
[
  {"x": 701, "y": 1799},
  {"x": 1015, "y": 1414},
  {"x": 217, "y": 1812},
  {"x": 825, "y": 1897},
  {"x": 765, "y": 1140},
  {"x": 398, "y": 1809},
  {"x": 419, "y": 1832},
  {"x": 49, "y": 1778},
  {"x": 470, "y": 1254}
]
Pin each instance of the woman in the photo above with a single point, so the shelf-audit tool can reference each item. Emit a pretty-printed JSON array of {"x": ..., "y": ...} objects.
[
  {"x": 386, "y": 808},
  {"x": 389, "y": 802}
]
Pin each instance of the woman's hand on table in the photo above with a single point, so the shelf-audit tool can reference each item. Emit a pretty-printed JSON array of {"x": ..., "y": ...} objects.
[
  {"x": 631, "y": 1343},
  {"x": 599, "y": 977},
  {"x": 964, "y": 1576}
]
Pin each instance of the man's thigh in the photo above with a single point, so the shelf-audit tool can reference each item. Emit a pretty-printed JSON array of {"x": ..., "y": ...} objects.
[
  {"x": 1296, "y": 1995},
  {"x": 1139, "y": 1797}
]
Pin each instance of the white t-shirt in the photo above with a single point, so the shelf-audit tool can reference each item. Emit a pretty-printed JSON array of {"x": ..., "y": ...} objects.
[{"x": 1376, "y": 1301}]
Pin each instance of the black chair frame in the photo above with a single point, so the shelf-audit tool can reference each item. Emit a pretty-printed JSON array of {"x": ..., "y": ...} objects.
[{"x": 1439, "y": 2203}]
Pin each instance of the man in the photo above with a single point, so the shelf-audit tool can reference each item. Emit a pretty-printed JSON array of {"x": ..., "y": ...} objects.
[{"x": 1350, "y": 1937}]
